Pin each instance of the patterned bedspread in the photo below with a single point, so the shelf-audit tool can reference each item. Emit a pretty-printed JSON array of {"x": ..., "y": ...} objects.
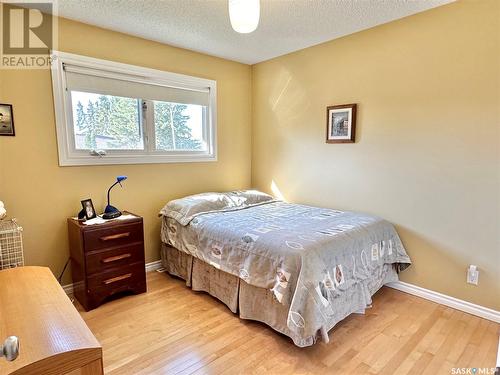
[{"x": 309, "y": 257}]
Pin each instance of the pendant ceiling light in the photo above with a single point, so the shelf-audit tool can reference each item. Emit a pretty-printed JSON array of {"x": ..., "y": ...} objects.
[{"x": 244, "y": 15}]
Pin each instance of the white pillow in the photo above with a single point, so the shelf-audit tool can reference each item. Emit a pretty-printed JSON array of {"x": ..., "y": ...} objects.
[
  {"x": 248, "y": 197},
  {"x": 186, "y": 209}
]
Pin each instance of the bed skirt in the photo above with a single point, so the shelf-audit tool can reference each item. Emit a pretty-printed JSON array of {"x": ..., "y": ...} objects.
[{"x": 255, "y": 303}]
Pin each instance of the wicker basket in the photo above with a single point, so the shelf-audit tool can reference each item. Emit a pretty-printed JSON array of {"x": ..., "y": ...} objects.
[{"x": 11, "y": 244}]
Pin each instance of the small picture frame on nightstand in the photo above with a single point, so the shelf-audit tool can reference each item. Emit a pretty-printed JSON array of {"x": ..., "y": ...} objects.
[{"x": 88, "y": 209}]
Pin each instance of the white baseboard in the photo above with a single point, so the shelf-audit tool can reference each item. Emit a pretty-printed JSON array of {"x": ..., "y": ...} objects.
[
  {"x": 443, "y": 299},
  {"x": 68, "y": 288},
  {"x": 152, "y": 266}
]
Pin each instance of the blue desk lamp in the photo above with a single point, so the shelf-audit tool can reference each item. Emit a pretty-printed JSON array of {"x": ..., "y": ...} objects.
[{"x": 111, "y": 212}]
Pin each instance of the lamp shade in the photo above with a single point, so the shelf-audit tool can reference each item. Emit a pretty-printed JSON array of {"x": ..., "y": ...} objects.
[
  {"x": 121, "y": 178},
  {"x": 244, "y": 15}
]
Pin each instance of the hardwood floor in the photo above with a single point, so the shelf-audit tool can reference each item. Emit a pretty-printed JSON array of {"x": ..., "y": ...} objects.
[{"x": 173, "y": 330}]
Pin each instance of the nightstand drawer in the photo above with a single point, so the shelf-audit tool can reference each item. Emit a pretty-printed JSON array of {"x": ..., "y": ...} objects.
[
  {"x": 118, "y": 235},
  {"x": 104, "y": 260},
  {"x": 117, "y": 278}
]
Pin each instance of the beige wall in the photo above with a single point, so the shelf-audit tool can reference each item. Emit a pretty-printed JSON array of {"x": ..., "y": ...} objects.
[
  {"x": 41, "y": 194},
  {"x": 426, "y": 155}
]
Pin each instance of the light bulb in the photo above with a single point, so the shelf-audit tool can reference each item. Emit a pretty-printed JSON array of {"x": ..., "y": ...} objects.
[{"x": 244, "y": 15}]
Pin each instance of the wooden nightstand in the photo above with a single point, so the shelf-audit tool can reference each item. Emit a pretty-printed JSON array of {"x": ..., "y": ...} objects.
[{"x": 106, "y": 259}]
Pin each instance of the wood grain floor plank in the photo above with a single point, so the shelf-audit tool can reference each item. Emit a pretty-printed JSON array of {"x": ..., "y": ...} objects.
[
  {"x": 421, "y": 364},
  {"x": 401, "y": 353},
  {"x": 173, "y": 330}
]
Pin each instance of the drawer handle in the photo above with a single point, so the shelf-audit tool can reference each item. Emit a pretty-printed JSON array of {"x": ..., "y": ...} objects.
[
  {"x": 117, "y": 278},
  {"x": 115, "y": 236},
  {"x": 116, "y": 257}
]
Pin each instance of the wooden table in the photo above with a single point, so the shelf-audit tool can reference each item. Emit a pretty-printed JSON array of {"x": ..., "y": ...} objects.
[{"x": 53, "y": 337}]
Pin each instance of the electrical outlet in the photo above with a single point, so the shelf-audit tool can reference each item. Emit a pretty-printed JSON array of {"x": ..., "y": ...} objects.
[{"x": 472, "y": 275}]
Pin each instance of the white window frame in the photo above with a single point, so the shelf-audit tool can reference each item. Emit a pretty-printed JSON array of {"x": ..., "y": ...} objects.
[{"x": 70, "y": 156}]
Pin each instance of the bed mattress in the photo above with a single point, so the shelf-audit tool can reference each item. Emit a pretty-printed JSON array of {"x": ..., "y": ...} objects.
[{"x": 314, "y": 265}]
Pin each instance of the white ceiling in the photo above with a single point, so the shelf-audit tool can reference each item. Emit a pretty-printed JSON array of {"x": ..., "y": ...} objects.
[{"x": 203, "y": 25}]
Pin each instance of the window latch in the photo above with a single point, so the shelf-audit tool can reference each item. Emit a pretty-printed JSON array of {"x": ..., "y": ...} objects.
[{"x": 99, "y": 153}]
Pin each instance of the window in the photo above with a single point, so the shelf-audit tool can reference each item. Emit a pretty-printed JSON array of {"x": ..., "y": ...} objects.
[{"x": 112, "y": 113}]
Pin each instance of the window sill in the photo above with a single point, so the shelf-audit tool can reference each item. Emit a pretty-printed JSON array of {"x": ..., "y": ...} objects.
[{"x": 139, "y": 159}]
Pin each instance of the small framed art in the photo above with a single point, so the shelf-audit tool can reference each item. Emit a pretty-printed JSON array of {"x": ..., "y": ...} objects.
[
  {"x": 341, "y": 123},
  {"x": 6, "y": 120},
  {"x": 88, "y": 209}
]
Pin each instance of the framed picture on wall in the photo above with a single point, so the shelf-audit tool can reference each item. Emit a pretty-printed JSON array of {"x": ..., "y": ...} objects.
[
  {"x": 341, "y": 123},
  {"x": 6, "y": 120}
]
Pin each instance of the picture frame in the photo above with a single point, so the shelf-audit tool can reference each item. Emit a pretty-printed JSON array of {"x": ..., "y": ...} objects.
[
  {"x": 7, "y": 120},
  {"x": 88, "y": 209},
  {"x": 341, "y": 123}
]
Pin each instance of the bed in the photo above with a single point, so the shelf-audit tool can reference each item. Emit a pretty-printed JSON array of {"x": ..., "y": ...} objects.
[{"x": 299, "y": 269}]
